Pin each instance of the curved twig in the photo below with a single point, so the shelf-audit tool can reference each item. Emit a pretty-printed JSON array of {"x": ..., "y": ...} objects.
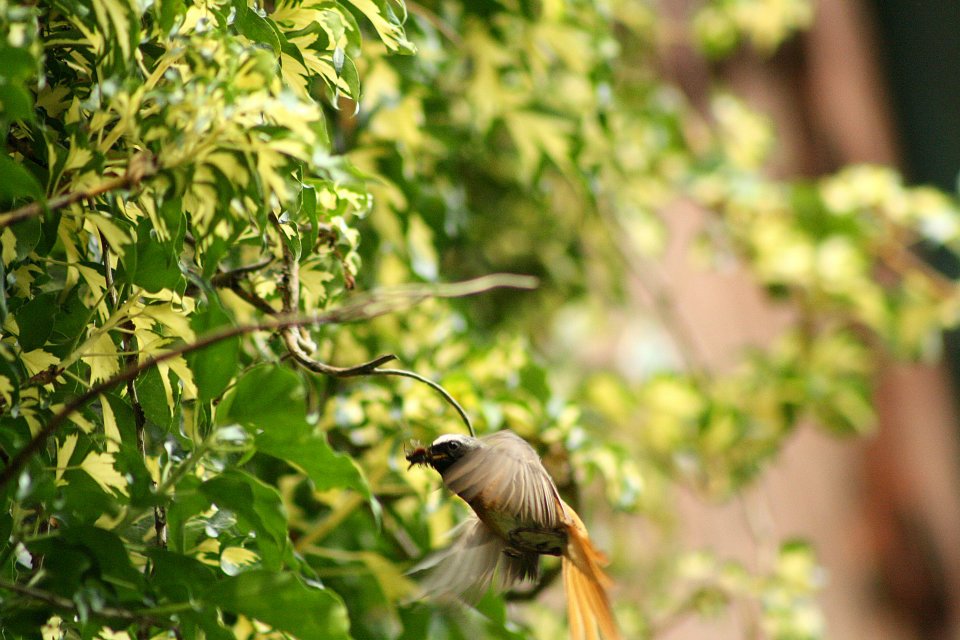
[
  {"x": 403, "y": 373},
  {"x": 366, "y": 368}
]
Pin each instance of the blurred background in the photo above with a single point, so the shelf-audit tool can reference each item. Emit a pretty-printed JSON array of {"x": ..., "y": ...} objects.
[{"x": 869, "y": 82}]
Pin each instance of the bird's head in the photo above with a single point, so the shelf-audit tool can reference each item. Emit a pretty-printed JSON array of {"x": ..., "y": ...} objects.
[{"x": 445, "y": 451}]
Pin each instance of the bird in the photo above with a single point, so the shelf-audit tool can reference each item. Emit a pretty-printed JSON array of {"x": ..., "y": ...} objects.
[{"x": 518, "y": 515}]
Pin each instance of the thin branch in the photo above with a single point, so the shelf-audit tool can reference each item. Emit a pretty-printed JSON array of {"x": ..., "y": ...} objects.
[
  {"x": 225, "y": 278},
  {"x": 252, "y": 299},
  {"x": 141, "y": 166},
  {"x": 360, "y": 308},
  {"x": 67, "y": 604}
]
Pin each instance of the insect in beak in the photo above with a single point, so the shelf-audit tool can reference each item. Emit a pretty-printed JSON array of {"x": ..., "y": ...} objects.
[{"x": 419, "y": 455}]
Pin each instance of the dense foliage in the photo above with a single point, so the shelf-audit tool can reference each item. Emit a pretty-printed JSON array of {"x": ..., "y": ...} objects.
[{"x": 262, "y": 180}]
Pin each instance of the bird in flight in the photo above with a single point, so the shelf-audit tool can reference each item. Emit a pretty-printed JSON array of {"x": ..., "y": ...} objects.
[{"x": 519, "y": 517}]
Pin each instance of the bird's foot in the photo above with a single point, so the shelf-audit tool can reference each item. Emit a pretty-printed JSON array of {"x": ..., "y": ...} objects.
[{"x": 531, "y": 539}]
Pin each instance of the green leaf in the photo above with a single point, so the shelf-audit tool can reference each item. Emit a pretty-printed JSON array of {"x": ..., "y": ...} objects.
[
  {"x": 285, "y": 603},
  {"x": 214, "y": 366},
  {"x": 258, "y": 507},
  {"x": 389, "y": 26},
  {"x": 266, "y": 395},
  {"x": 311, "y": 453},
  {"x": 188, "y": 503},
  {"x": 28, "y": 235},
  {"x": 153, "y": 398},
  {"x": 87, "y": 553},
  {"x": 16, "y": 64},
  {"x": 153, "y": 263},
  {"x": 15, "y": 103},
  {"x": 178, "y": 577},
  {"x": 167, "y": 12},
  {"x": 257, "y": 28},
  {"x": 308, "y": 209},
  {"x": 348, "y": 73},
  {"x": 70, "y": 322},
  {"x": 270, "y": 400},
  {"x": 35, "y": 320},
  {"x": 16, "y": 181},
  {"x": 3, "y": 293}
]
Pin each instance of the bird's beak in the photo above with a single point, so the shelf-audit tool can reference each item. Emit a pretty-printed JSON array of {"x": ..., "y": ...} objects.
[{"x": 425, "y": 456}]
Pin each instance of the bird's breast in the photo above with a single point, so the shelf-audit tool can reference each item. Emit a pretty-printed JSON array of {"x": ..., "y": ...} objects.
[{"x": 520, "y": 534}]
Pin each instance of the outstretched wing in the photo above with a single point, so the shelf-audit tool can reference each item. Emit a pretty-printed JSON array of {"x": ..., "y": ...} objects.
[
  {"x": 468, "y": 567},
  {"x": 464, "y": 569},
  {"x": 506, "y": 476}
]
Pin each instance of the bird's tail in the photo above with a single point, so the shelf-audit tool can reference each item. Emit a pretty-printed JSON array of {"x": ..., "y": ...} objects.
[{"x": 588, "y": 605}]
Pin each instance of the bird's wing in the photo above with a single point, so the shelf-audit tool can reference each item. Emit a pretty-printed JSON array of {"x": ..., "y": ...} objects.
[
  {"x": 464, "y": 569},
  {"x": 506, "y": 475}
]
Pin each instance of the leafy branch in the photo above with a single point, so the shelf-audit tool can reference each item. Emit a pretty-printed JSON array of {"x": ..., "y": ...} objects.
[{"x": 364, "y": 307}]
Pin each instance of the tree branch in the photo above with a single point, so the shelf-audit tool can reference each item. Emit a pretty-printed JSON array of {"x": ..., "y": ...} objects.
[{"x": 141, "y": 166}]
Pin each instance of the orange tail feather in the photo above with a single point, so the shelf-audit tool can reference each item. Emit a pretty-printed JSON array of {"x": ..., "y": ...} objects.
[{"x": 588, "y": 606}]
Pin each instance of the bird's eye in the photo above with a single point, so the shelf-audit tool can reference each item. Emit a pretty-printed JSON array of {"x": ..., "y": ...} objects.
[{"x": 453, "y": 446}]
